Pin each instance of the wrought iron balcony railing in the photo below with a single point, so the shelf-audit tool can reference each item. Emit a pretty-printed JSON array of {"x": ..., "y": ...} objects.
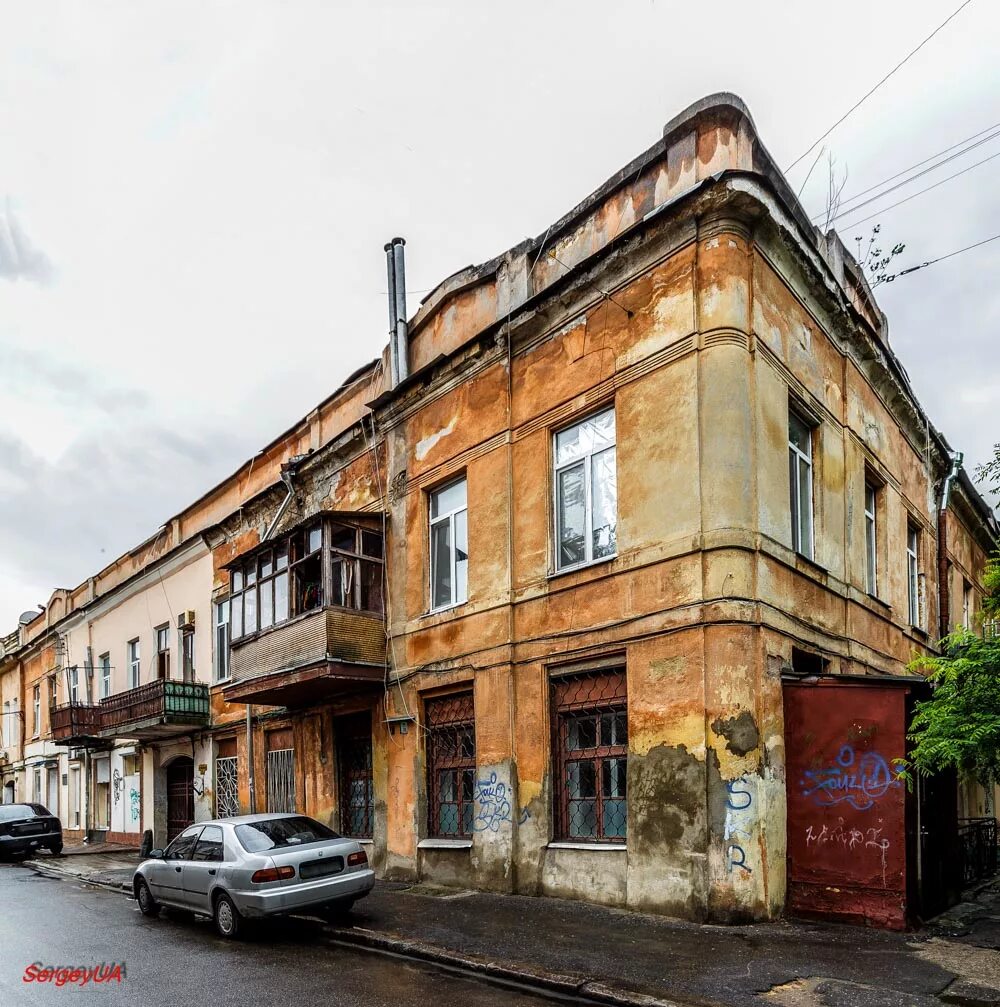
[{"x": 155, "y": 710}]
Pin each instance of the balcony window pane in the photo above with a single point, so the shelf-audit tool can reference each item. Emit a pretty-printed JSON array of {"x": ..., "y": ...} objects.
[
  {"x": 237, "y": 580},
  {"x": 371, "y": 587},
  {"x": 266, "y": 604},
  {"x": 251, "y": 572},
  {"x": 281, "y": 557},
  {"x": 371, "y": 544},
  {"x": 250, "y": 612},
  {"x": 237, "y": 615},
  {"x": 266, "y": 565},
  {"x": 281, "y": 597},
  {"x": 314, "y": 539},
  {"x": 343, "y": 539}
]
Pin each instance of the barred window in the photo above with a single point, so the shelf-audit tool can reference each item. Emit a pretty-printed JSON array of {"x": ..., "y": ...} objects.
[
  {"x": 590, "y": 757},
  {"x": 354, "y": 758},
  {"x": 451, "y": 765},
  {"x": 227, "y": 793}
]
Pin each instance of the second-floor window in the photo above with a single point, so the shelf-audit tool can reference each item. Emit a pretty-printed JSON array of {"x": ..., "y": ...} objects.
[
  {"x": 36, "y": 711},
  {"x": 8, "y": 727},
  {"x": 163, "y": 652},
  {"x": 134, "y": 664},
  {"x": 585, "y": 486},
  {"x": 221, "y": 640},
  {"x": 74, "y": 684},
  {"x": 288, "y": 578},
  {"x": 913, "y": 574},
  {"x": 800, "y": 480},
  {"x": 871, "y": 539},
  {"x": 967, "y": 606},
  {"x": 449, "y": 517},
  {"x": 105, "y": 664}
]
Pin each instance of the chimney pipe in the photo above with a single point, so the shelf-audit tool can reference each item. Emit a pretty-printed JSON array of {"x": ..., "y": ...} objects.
[{"x": 398, "y": 337}]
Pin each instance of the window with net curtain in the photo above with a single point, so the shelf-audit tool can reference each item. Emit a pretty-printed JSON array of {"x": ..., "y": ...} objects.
[{"x": 585, "y": 487}]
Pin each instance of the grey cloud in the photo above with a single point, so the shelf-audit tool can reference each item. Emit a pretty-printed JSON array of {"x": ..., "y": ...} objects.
[
  {"x": 20, "y": 368},
  {"x": 62, "y": 521},
  {"x": 19, "y": 259}
]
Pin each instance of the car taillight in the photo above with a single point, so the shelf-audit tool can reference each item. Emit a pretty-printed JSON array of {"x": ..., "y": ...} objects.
[
  {"x": 272, "y": 874},
  {"x": 354, "y": 859}
]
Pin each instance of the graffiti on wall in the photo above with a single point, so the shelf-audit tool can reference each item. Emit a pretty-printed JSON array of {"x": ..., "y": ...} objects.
[
  {"x": 116, "y": 785},
  {"x": 853, "y": 839},
  {"x": 493, "y": 805},
  {"x": 133, "y": 804},
  {"x": 856, "y": 780},
  {"x": 739, "y": 821}
]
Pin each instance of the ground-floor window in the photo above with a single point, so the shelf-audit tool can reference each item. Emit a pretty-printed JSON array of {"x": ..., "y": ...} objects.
[
  {"x": 451, "y": 765},
  {"x": 590, "y": 756},
  {"x": 280, "y": 772},
  {"x": 227, "y": 790},
  {"x": 102, "y": 794},
  {"x": 354, "y": 758}
]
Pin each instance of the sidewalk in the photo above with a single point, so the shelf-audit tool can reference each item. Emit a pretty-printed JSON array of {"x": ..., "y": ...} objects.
[{"x": 620, "y": 957}]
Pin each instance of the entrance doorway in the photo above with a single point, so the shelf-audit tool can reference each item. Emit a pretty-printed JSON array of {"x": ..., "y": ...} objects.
[
  {"x": 52, "y": 790},
  {"x": 180, "y": 796}
]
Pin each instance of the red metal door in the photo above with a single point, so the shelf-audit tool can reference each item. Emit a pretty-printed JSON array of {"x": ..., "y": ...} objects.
[
  {"x": 847, "y": 844},
  {"x": 180, "y": 796}
]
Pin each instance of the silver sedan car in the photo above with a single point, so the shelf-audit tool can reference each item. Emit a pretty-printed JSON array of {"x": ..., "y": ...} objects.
[{"x": 233, "y": 869}]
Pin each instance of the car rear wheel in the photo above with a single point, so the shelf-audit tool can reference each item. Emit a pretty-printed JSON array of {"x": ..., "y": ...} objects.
[
  {"x": 56, "y": 849},
  {"x": 337, "y": 909},
  {"x": 148, "y": 906},
  {"x": 228, "y": 920}
]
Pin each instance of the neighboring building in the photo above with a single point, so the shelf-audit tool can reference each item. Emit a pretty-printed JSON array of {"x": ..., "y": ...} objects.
[{"x": 601, "y": 583}]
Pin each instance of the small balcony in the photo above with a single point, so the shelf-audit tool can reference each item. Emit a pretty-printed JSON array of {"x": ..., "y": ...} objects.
[
  {"x": 75, "y": 723},
  {"x": 160, "y": 709},
  {"x": 323, "y": 654}
]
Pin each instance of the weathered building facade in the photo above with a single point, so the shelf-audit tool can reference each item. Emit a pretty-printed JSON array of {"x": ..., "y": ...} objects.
[{"x": 602, "y": 582}]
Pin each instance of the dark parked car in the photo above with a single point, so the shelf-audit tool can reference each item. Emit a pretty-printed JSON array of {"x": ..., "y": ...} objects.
[{"x": 26, "y": 827}]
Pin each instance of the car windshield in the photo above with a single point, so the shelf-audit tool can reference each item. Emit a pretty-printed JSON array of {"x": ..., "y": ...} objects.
[
  {"x": 15, "y": 812},
  {"x": 279, "y": 833}
]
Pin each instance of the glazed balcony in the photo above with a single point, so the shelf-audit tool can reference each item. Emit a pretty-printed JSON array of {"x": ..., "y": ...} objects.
[
  {"x": 160, "y": 709},
  {"x": 320, "y": 655},
  {"x": 75, "y": 723}
]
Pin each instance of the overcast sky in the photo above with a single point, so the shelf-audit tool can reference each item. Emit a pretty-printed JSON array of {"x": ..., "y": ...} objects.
[{"x": 194, "y": 199}]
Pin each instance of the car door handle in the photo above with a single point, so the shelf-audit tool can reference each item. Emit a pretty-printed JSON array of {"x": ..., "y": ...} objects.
[
  {"x": 212, "y": 871},
  {"x": 177, "y": 869}
]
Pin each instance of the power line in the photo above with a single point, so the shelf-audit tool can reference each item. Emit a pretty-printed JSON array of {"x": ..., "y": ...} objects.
[
  {"x": 940, "y": 258},
  {"x": 862, "y": 100},
  {"x": 900, "y": 202},
  {"x": 878, "y": 185}
]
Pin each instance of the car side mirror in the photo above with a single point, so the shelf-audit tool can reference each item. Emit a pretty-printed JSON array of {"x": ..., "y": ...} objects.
[{"x": 156, "y": 854}]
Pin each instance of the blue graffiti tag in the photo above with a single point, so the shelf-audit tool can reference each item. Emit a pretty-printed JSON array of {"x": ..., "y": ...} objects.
[
  {"x": 493, "y": 805},
  {"x": 737, "y": 800},
  {"x": 134, "y": 804},
  {"x": 858, "y": 781}
]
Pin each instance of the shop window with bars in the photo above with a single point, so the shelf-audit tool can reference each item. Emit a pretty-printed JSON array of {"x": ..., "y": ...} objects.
[
  {"x": 354, "y": 758},
  {"x": 451, "y": 765},
  {"x": 281, "y": 780},
  {"x": 590, "y": 756},
  {"x": 227, "y": 794}
]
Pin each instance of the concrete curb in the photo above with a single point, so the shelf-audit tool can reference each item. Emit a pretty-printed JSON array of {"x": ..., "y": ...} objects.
[
  {"x": 47, "y": 870},
  {"x": 511, "y": 975}
]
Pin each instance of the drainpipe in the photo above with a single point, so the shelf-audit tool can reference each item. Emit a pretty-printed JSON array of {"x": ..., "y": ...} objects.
[
  {"x": 250, "y": 762},
  {"x": 286, "y": 478},
  {"x": 944, "y": 588}
]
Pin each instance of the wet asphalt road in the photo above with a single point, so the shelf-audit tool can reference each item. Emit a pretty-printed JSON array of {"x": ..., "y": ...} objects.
[{"x": 174, "y": 960}]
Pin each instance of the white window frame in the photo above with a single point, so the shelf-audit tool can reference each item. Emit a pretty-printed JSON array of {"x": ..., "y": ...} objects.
[
  {"x": 807, "y": 549},
  {"x": 586, "y": 458},
  {"x": 36, "y": 711},
  {"x": 105, "y": 665},
  {"x": 74, "y": 684},
  {"x": 913, "y": 574},
  {"x": 7, "y": 714},
  {"x": 221, "y": 654},
  {"x": 967, "y": 605},
  {"x": 74, "y": 797},
  {"x": 134, "y": 663},
  {"x": 871, "y": 538},
  {"x": 448, "y": 517}
]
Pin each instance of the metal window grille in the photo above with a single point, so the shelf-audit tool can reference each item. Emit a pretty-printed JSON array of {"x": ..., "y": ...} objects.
[
  {"x": 451, "y": 765},
  {"x": 354, "y": 757},
  {"x": 281, "y": 780},
  {"x": 227, "y": 795},
  {"x": 590, "y": 756}
]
